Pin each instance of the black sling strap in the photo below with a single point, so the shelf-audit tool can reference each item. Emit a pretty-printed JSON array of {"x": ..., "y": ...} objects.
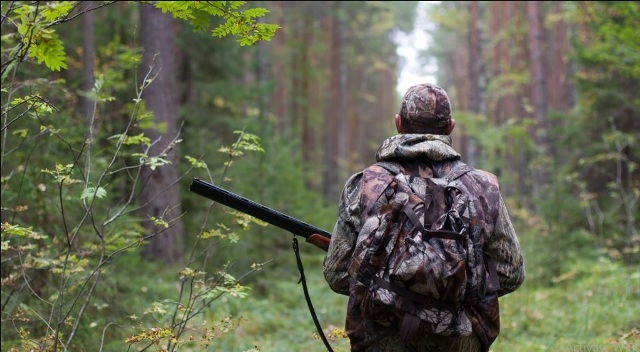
[{"x": 306, "y": 295}]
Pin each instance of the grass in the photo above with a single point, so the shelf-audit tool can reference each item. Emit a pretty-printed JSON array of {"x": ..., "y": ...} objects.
[
  {"x": 572, "y": 300},
  {"x": 592, "y": 308},
  {"x": 281, "y": 320},
  {"x": 590, "y": 303}
]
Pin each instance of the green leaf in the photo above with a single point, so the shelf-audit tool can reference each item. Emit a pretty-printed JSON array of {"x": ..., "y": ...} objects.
[
  {"x": 17, "y": 230},
  {"x": 57, "y": 9},
  {"x": 195, "y": 162},
  {"x": 89, "y": 192},
  {"x": 159, "y": 222},
  {"x": 132, "y": 140},
  {"x": 23, "y": 132},
  {"x": 242, "y": 24},
  {"x": 49, "y": 49},
  {"x": 152, "y": 161}
]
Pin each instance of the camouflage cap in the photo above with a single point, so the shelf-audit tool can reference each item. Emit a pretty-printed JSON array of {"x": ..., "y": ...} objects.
[{"x": 425, "y": 106}]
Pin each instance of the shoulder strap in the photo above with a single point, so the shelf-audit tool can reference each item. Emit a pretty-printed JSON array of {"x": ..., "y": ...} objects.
[
  {"x": 457, "y": 172},
  {"x": 392, "y": 167}
]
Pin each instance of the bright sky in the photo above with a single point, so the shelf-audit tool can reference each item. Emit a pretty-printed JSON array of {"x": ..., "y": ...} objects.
[{"x": 409, "y": 45}]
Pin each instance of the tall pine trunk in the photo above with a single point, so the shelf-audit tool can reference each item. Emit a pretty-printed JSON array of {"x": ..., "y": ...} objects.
[
  {"x": 332, "y": 28},
  {"x": 538, "y": 94},
  {"x": 88, "y": 55},
  {"x": 476, "y": 63},
  {"x": 159, "y": 196}
]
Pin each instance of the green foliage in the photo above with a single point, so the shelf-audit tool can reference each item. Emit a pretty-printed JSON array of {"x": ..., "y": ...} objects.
[
  {"x": 592, "y": 151},
  {"x": 69, "y": 198},
  {"x": 613, "y": 40},
  {"x": 279, "y": 319},
  {"x": 36, "y": 37},
  {"x": 242, "y": 24},
  {"x": 597, "y": 138},
  {"x": 71, "y": 234},
  {"x": 274, "y": 178},
  {"x": 246, "y": 142},
  {"x": 583, "y": 301},
  {"x": 32, "y": 33},
  {"x": 405, "y": 14},
  {"x": 577, "y": 299},
  {"x": 491, "y": 141}
]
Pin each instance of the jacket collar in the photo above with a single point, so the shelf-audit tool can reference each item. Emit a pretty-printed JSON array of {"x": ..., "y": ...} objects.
[{"x": 407, "y": 146}]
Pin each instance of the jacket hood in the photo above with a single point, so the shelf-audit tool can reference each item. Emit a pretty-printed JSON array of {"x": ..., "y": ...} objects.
[{"x": 407, "y": 146}]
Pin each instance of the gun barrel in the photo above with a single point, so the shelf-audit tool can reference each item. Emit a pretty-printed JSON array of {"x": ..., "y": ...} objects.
[{"x": 255, "y": 209}]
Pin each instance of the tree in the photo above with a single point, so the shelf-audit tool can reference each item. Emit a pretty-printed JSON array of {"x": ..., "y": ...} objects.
[
  {"x": 335, "y": 112},
  {"x": 579, "y": 171},
  {"x": 79, "y": 218},
  {"x": 88, "y": 55},
  {"x": 539, "y": 93},
  {"x": 159, "y": 196}
]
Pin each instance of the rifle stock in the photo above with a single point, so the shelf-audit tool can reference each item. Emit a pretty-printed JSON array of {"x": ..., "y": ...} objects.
[{"x": 312, "y": 234}]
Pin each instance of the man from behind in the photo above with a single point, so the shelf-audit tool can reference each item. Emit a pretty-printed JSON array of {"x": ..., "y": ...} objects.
[{"x": 423, "y": 146}]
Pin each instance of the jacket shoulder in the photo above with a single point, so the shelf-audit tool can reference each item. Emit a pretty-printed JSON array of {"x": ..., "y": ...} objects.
[
  {"x": 488, "y": 177},
  {"x": 481, "y": 178},
  {"x": 483, "y": 185},
  {"x": 378, "y": 173}
]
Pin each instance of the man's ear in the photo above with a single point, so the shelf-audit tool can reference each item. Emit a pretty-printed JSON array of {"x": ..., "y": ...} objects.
[
  {"x": 452, "y": 125},
  {"x": 398, "y": 121}
]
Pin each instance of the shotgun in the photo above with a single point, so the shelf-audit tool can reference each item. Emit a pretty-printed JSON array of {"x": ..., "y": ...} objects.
[{"x": 312, "y": 234}]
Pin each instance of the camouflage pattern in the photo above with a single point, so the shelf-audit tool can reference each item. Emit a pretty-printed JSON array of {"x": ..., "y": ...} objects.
[
  {"x": 425, "y": 105},
  {"x": 491, "y": 227},
  {"x": 423, "y": 280}
]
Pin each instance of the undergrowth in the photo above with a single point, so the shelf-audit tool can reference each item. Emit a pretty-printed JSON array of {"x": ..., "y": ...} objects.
[{"x": 579, "y": 301}]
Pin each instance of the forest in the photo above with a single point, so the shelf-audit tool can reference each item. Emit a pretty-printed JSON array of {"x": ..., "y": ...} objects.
[{"x": 110, "y": 109}]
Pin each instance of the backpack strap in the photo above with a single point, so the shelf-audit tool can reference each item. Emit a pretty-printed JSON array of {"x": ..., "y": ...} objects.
[
  {"x": 393, "y": 167},
  {"x": 493, "y": 284},
  {"x": 410, "y": 321},
  {"x": 457, "y": 172},
  {"x": 429, "y": 233}
]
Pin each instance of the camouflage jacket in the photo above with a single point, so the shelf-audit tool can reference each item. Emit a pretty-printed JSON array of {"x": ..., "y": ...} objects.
[{"x": 498, "y": 240}]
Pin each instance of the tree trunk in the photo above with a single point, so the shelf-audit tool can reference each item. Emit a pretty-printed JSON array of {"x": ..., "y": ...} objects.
[
  {"x": 332, "y": 112},
  {"x": 538, "y": 94},
  {"x": 88, "y": 55},
  {"x": 159, "y": 196},
  {"x": 278, "y": 69},
  {"x": 475, "y": 76},
  {"x": 520, "y": 63},
  {"x": 559, "y": 85}
]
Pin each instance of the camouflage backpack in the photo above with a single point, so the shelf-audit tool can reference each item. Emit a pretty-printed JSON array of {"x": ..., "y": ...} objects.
[{"x": 416, "y": 258}]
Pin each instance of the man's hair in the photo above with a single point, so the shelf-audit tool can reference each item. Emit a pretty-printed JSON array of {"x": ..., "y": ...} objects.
[{"x": 425, "y": 109}]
